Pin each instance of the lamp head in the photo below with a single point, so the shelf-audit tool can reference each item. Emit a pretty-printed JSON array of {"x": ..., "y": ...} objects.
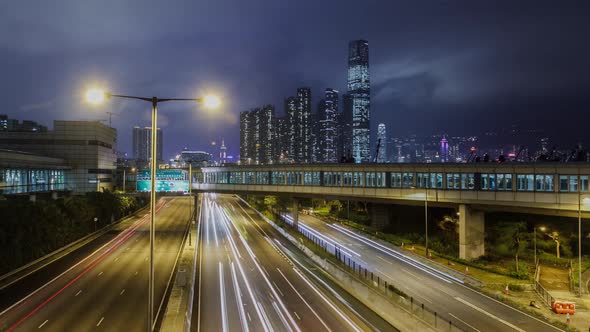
[
  {"x": 211, "y": 101},
  {"x": 95, "y": 96}
]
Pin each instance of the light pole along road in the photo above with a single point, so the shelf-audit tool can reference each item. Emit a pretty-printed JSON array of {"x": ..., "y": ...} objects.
[{"x": 97, "y": 96}]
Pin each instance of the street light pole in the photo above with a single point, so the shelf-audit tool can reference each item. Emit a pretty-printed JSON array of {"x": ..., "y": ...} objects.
[
  {"x": 124, "y": 179},
  {"x": 535, "y": 244},
  {"x": 426, "y": 216},
  {"x": 98, "y": 96},
  {"x": 580, "y": 244},
  {"x": 152, "y": 212}
]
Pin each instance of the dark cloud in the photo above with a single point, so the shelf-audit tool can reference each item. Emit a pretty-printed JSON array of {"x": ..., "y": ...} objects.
[{"x": 460, "y": 66}]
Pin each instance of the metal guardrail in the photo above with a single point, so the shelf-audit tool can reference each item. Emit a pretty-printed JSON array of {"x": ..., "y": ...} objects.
[{"x": 440, "y": 322}]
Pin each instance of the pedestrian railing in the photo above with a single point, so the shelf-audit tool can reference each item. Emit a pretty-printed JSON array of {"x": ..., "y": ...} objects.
[{"x": 543, "y": 293}]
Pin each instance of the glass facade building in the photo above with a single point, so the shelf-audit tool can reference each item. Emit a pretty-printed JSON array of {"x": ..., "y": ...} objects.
[
  {"x": 382, "y": 139},
  {"x": 21, "y": 180},
  {"x": 359, "y": 90}
]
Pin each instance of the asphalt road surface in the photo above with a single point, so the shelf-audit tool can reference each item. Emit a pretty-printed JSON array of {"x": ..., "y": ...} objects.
[
  {"x": 254, "y": 280},
  {"x": 448, "y": 296},
  {"x": 106, "y": 289}
]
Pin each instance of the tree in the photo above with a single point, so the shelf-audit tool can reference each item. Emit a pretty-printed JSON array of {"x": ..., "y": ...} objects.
[{"x": 516, "y": 245}]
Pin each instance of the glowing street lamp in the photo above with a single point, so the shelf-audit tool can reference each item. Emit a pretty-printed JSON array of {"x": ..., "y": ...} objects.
[{"x": 97, "y": 96}]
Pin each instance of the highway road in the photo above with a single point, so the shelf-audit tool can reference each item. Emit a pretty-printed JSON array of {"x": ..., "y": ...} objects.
[
  {"x": 448, "y": 296},
  {"x": 107, "y": 289},
  {"x": 252, "y": 279}
]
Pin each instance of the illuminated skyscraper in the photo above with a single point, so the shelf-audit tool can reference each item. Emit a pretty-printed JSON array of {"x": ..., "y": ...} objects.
[
  {"x": 328, "y": 130},
  {"x": 305, "y": 139},
  {"x": 298, "y": 112},
  {"x": 292, "y": 127},
  {"x": 444, "y": 150},
  {"x": 257, "y": 136},
  {"x": 382, "y": 139},
  {"x": 142, "y": 144},
  {"x": 345, "y": 128},
  {"x": 222, "y": 153},
  {"x": 359, "y": 90}
]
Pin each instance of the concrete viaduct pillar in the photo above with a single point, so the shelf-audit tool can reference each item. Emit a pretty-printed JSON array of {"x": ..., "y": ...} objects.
[
  {"x": 295, "y": 213},
  {"x": 471, "y": 232},
  {"x": 379, "y": 215}
]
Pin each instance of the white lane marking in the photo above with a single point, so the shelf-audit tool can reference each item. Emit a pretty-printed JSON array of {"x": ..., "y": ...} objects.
[
  {"x": 45, "y": 322},
  {"x": 80, "y": 291},
  {"x": 295, "y": 312},
  {"x": 264, "y": 316},
  {"x": 249, "y": 318},
  {"x": 464, "y": 322},
  {"x": 385, "y": 274},
  {"x": 281, "y": 316},
  {"x": 278, "y": 289},
  {"x": 253, "y": 257},
  {"x": 100, "y": 273},
  {"x": 474, "y": 307},
  {"x": 222, "y": 298},
  {"x": 100, "y": 321},
  {"x": 214, "y": 229},
  {"x": 412, "y": 274},
  {"x": 385, "y": 260},
  {"x": 340, "y": 313},
  {"x": 240, "y": 304},
  {"x": 123, "y": 291},
  {"x": 304, "y": 301}
]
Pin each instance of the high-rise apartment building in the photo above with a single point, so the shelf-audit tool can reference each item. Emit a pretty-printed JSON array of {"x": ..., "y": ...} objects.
[
  {"x": 282, "y": 140},
  {"x": 257, "y": 136},
  {"x": 382, "y": 141},
  {"x": 359, "y": 89},
  {"x": 345, "y": 128},
  {"x": 142, "y": 144},
  {"x": 304, "y": 139},
  {"x": 246, "y": 137},
  {"x": 328, "y": 127},
  {"x": 293, "y": 126},
  {"x": 300, "y": 137}
]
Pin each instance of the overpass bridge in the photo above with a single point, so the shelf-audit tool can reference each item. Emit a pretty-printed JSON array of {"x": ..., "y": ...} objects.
[{"x": 541, "y": 188}]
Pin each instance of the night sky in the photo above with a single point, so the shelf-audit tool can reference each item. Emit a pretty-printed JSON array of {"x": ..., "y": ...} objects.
[{"x": 456, "y": 67}]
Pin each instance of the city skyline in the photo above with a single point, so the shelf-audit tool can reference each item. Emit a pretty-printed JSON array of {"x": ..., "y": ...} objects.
[{"x": 432, "y": 69}]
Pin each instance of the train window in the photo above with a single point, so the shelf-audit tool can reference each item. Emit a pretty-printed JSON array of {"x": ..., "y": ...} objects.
[
  {"x": 396, "y": 180},
  {"x": 584, "y": 183},
  {"x": 507, "y": 181},
  {"x": 563, "y": 183},
  {"x": 408, "y": 180},
  {"x": 549, "y": 186},
  {"x": 573, "y": 183}
]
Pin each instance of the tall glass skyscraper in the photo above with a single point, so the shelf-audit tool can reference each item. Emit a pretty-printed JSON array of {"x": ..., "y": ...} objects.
[
  {"x": 142, "y": 144},
  {"x": 382, "y": 138},
  {"x": 359, "y": 90}
]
